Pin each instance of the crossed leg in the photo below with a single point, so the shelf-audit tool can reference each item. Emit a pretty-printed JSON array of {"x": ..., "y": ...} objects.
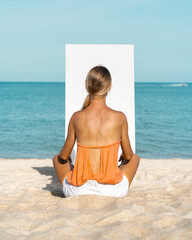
[
  {"x": 129, "y": 168},
  {"x": 61, "y": 169}
]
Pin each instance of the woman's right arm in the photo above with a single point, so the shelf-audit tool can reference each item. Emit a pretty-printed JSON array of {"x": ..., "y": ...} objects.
[{"x": 70, "y": 140}]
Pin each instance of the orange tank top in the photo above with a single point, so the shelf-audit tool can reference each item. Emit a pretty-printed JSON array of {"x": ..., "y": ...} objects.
[{"x": 108, "y": 170}]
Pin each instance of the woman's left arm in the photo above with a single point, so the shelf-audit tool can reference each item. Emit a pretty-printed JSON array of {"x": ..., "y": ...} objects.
[{"x": 70, "y": 140}]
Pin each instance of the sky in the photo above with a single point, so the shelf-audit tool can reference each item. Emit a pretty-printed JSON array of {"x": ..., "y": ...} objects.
[{"x": 33, "y": 35}]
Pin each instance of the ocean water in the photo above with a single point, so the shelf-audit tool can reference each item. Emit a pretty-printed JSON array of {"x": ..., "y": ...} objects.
[
  {"x": 32, "y": 120},
  {"x": 163, "y": 121}
]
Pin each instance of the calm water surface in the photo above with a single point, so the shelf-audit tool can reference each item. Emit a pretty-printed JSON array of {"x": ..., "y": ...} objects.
[{"x": 32, "y": 120}]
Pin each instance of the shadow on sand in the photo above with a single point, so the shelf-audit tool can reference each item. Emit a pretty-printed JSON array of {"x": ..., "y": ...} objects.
[{"x": 54, "y": 187}]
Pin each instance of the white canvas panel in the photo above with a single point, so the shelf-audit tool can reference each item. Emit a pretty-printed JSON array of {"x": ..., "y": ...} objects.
[{"x": 119, "y": 60}]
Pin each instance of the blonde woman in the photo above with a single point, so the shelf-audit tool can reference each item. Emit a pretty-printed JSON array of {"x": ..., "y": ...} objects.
[{"x": 99, "y": 132}]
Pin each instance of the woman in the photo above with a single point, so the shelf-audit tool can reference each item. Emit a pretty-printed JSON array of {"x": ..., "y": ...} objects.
[{"x": 99, "y": 130}]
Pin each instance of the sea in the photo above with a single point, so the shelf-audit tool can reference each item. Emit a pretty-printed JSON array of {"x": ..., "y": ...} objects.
[{"x": 32, "y": 119}]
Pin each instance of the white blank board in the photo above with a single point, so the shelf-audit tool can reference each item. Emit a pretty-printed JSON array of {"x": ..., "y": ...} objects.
[{"x": 119, "y": 60}]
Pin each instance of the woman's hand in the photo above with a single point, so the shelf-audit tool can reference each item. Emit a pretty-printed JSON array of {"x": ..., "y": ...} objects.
[
  {"x": 63, "y": 161},
  {"x": 123, "y": 160}
]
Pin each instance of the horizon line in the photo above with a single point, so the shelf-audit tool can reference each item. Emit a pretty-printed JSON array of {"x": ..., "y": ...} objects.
[{"x": 64, "y": 82}]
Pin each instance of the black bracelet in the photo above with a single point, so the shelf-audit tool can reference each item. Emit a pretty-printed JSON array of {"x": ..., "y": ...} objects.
[
  {"x": 125, "y": 161},
  {"x": 61, "y": 160}
]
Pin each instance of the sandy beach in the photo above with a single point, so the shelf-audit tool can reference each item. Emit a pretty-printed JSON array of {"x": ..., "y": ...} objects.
[{"x": 158, "y": 205}]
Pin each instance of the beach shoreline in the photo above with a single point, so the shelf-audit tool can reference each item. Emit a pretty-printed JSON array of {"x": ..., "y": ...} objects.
[{"x": 158, "y": 204}]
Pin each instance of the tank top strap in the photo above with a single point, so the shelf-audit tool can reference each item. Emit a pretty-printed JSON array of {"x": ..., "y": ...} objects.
[{"x": 83, "y": 146}]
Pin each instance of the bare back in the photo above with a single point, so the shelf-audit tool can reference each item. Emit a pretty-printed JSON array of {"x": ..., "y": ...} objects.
[{"x": 97, "y": 125}]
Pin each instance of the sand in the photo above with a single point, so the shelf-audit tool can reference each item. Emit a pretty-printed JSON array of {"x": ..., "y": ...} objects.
[{"x": 158, "y": 205}]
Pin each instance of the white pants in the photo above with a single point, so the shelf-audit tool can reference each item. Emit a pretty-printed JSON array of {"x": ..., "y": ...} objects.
[{"x": 93, "y": 187}]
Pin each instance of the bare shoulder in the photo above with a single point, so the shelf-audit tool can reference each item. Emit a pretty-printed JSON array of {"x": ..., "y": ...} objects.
[
  {"x": 76, "y": 116},
  {"x": 119, "y": 115},
  {"x": 123, "y": 117}
]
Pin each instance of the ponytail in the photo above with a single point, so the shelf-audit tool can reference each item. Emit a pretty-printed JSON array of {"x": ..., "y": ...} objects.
[
  {"x": 97, "y": 83},
  {"x": 87, "y": 101}
]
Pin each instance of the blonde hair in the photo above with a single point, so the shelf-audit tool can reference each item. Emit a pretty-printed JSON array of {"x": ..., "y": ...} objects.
[{"x": 97, "y": 83}]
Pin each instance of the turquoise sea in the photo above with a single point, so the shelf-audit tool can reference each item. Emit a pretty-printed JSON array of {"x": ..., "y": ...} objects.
[{"x": 32, "y": 120}]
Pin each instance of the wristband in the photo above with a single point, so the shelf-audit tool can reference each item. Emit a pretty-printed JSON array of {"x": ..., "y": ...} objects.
[{"x": 61, "y": 160}]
